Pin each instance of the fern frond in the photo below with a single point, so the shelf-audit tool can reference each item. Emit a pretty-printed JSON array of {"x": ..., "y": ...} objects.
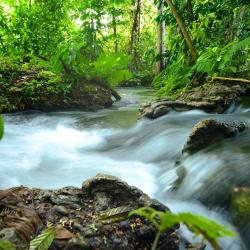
[{"x": 231, "y": 49}]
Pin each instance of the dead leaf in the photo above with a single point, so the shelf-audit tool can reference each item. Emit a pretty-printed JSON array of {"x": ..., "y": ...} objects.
[{"x": 63, "y": 234}]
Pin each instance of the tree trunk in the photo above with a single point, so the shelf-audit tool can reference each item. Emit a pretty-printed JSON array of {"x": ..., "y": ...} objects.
[
  {"x": 160, "y": 42},
  {"x": 115, "y": 32},
  {"x": 135, "y": 34},
  {"x": 183, "y": 29}
]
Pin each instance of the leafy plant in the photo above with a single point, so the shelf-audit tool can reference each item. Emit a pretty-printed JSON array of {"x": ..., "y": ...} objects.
[
  {"x": 111, "y": 68},
  {"x": 6, "y": 245},
  {"x": 174, "y": 78},
  {"x": 218, "y": 60},
  {"x": 44, "y": 240},
  {"x": 199, "y": 225}
]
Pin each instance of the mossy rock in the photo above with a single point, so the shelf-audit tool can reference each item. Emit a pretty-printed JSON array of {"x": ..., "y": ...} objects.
[{"x": 240, "y": 206}]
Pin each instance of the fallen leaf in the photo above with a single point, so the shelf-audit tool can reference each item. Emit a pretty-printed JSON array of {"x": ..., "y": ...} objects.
[{"x": 63, "y": 234}]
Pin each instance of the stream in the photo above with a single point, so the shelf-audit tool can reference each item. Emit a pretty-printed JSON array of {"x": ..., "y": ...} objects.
[{"x": 52, "y": 150}]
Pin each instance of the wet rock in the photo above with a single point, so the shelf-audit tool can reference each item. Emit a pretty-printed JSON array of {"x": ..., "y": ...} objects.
[
  {"x": 209, "y": 131},
  {"x": 138, "y": 80},
  {"x": 240, "y": 205},
  {"x": 211, "y": 98},
  {"x": 93, "y": 217},
  {"x": 155, "y": 112},
  {"x": 240, "y": 211},
  {"x": 10, "y": 234},
  {"x": 61, "y": 210}
]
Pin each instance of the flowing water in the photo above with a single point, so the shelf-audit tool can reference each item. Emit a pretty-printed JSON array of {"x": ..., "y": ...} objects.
[{"x": 52, "y": 150}]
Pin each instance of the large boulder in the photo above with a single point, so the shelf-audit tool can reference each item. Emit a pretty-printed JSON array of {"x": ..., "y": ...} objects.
[
  {"x": 93, "y": 217},
  {"x": 209, "y": 131}
]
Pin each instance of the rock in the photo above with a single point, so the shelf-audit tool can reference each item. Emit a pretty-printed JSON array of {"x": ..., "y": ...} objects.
[
  {"x": 158, "y": 111},
  {"x": 10, "y": 234},
  {"x": 93, "y": 217},
  {"x": 61, "y": 210},
  {"x": 138, "y": 80},
  {"x": 83, "y": 98},
  {"x": 209, "y": 131},
  {"x": 101, "y": 190},
  {"x": 211, "y": 98},
  {"x": 240, "y": 211}
]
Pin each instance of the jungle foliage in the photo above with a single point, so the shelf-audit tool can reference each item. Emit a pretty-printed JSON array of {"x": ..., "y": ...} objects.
[
  {"x": 48, "y": 46},
  {"x": 219, "y": 32}
]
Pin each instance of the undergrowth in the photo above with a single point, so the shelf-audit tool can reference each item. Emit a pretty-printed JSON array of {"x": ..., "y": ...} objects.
[{"x": 230, "y": 61}]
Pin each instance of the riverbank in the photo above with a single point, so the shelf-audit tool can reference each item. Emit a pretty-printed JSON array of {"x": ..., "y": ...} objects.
[
  {"x": 34, "y": 85},
  {"x": 212, "y": 97}
]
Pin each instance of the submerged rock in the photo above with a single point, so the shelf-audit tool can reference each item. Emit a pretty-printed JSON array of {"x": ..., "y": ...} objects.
[
  {"x": 211, "y": 98},
  {"x": 94, "y": 217},
  {"x": 209, "y": 131}
]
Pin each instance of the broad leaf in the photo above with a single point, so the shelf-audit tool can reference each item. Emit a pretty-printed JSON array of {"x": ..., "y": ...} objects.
[{"x": 44, "y": 240}]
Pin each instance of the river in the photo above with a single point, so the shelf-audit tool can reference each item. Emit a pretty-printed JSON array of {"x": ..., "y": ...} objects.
[{"x": 52, "y": 150}]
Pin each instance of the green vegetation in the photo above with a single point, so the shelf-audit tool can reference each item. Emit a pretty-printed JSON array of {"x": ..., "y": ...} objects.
[
  {"x": 206, "y": 38},
  {"x": 199, "y": 225},
  {"x": 6, "y": 245},
  {"x": 48, "y": 48},
  {"x": 60, "y": 54},
  {"x": 51, "y": 46},
  {"x": 43, "y": 240}
]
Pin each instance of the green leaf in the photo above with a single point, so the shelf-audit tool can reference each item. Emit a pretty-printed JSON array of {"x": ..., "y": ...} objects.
[
  {"x": 114, "y": 214},
  {"x": 199, "y": 225},
  {"x": 44, "y": 240},
  {"x": 6, "y": 245},
  {"x": 1, "y": 127}
]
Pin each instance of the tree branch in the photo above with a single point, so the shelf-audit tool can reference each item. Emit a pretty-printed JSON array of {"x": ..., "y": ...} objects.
[{"x": 227, "y": 79}]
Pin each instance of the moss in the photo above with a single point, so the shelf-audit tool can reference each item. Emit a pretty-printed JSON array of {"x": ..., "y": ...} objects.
[{"x": 240, "y": 206}]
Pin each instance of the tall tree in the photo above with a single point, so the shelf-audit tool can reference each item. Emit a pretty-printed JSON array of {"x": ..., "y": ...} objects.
[
  {"x": 114, "y": 22},
  {"x": 160, "y": 39},
  {"x": 183, "y": 29},
  {"x": 135, "y": 33}
]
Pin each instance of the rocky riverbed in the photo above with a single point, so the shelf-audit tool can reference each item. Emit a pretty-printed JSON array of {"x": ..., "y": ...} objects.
[
  {"x": 93, "y": 217},
  {"x": 212, "y": 98}
]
